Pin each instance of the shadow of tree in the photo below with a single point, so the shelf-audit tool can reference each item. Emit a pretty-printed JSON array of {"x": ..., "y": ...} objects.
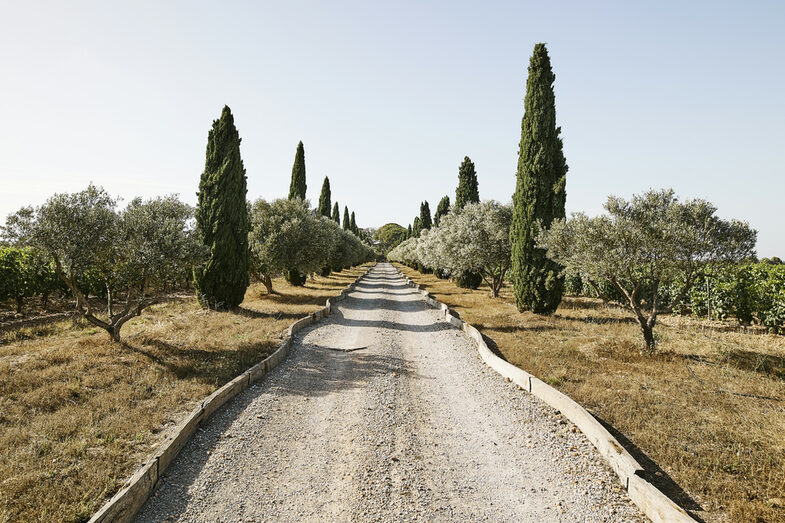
[
  {"x": 258, "y": 315},
  {"x": 596, "y": 320},
  {"x": 654, "y": 474},
  {"x": 310, "y": 371},
  {"x": 207, "y": 366}
]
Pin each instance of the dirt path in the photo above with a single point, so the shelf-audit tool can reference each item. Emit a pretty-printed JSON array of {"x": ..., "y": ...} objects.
[{"x": 384, "y": 412}]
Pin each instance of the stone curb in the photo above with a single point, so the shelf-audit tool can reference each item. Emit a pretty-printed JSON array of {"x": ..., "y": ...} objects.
[
  {"x": 650, "y": 500},
  {"x": 132, "y": 495}
]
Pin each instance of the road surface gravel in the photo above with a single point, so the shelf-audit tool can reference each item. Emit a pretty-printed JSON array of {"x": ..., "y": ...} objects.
[{"x": 384, "y": 412}]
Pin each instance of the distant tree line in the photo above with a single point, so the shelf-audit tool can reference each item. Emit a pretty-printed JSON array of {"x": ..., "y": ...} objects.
[
  {"x": 84, "y": 246},
  {"x": 651, "y": 253}
]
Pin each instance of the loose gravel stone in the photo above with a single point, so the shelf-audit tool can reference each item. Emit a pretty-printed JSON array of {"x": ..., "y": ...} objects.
[{"x": 384, "y": 412}]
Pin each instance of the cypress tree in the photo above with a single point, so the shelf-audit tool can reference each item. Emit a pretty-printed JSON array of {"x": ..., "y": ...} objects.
[
  {"x": 297, "y": 190},
  {"x": 353, "y": 225},
  {"x": 441, "y": 209},
  {"x": 297, "y": 186},
  {"x": 409, "y": 232},
  {"x": 539, "y": 191},
  {"x": 324, "y": 210},
  {"x": 222, "y": 219},
  {"x": 336, "y": 214},
  {"x": 425, "y": 215},
  {"x": 346, "y": 222},
  {"x": 468, "y": 190},
  {"x": 324, "y": 198},
  {"x": 417, "y": 227}
]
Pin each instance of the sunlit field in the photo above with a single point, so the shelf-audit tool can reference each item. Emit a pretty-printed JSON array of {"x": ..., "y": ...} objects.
[{"x": 78, "y": 412}]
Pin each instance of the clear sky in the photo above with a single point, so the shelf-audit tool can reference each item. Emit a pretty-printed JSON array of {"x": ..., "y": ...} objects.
[{"x": 388, "y": 97}]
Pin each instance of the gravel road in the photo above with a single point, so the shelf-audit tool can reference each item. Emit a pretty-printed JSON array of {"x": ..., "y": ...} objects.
[{"x": 384, "y": 412}]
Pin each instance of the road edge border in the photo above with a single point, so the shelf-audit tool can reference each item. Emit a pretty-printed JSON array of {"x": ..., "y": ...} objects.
[
  {"x": 649, "y": 499},
  {"x": 127, "y": 502}
]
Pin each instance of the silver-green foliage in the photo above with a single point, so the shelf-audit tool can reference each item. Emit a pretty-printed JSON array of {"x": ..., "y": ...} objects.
[
  {"x": 475, "y": 239},
  {"x": 287, "y": 235},
  {"x": 646, "y": 244},
  {"x": 134, "y": 253}
]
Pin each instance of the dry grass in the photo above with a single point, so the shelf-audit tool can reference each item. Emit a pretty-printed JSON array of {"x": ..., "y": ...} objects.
[
  {"x": 78, "y": 413},
  {"x": 709, "y": 408}
]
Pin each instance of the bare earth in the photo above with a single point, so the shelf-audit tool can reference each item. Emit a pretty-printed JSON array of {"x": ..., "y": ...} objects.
[{"x": 384, "y": 412}]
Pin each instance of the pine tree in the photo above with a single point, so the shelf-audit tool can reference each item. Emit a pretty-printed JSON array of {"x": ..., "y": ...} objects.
[
  {"x": 324, "y": 198},
  {"x": 467, "y": 191},
  {"x": 442, "y": 209},
  {"x": 297, "y": 186},
  {"x": 353, "y": 225},
  {"x": 425, "y": 215},
  {"x": 336, "y": 214},
  {"x": 222, "y": 219},
  {"x": 346, "y": 220},
  {"x": 539, "y": 191},
  {"x": 297, "y": 190}
]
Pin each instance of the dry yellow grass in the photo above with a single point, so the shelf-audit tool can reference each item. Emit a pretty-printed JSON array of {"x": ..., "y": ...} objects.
[
  {"x": 78, "y": 413},
  {"x": 709, "y": 408}
]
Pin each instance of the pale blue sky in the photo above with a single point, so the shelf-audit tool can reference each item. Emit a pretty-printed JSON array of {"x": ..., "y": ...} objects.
[{"x": 389, "y": 97}]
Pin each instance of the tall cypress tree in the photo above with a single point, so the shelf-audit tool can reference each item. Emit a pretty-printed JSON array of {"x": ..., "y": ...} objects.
[
  {"x": 346, "y": 222},
  {"x": 324, "y": 198},
  {"x": 468, "y": 190},
  {"x": 425, "y": 215},
  {"x": 336, "y": 214},
  {"x": 222, "y": 219},
  {"x": 297, "y": 190},
  {"x": 324, "y": 210},
  {"x": 353, "y": 225},
  {"x": 297, "y": 186},
  {"x": 409, "y": 232},
  {"x": 539, "y": 191},
  {"x": 416, "y": 227},
  {"x": 441, "y": 209}
]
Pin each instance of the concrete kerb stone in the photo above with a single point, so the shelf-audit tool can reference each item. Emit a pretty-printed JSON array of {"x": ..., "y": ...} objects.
[
  {"x": 124, "y": 505},
  {"x": 651, "y": 501},
  {"x": 171, "y": 447},
  {"x": 656, "y": 505},
  {"x": 129, "y": 499}
]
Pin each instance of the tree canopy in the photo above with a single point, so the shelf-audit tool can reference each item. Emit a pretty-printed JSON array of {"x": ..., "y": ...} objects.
[
  {"x": 297, "y": 186},
  {"x": 539, "y": 191},
  {"x": 473, "y": 241},
  {"x": 336, "y": 214},
  {"x": 425, "y": 215},
  {"x": 468, "y": 190},
  {"x": 390, "y": 235},
  {"x": 645, "y": 244},
  {"x": 133, "y": 253},
  {"x": 222, "y": 219},
  {"x": 287, "y": 236},
  {"x": 442, "y": 209},
  {"x": 324, "y": 199}
]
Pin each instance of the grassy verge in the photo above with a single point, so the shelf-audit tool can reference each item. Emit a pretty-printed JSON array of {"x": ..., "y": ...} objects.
[
  {"x": 709, "y": 408},
  {"x": 78, "y": 413}
]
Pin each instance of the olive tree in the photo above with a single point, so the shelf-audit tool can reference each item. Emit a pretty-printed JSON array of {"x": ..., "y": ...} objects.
[
  {"x": 405, "y": 252},
  {"x": 133, "y": 252},
  {"x": 645, "y": 244},
  {"x": 286, "y": 235},
  {"x": 476, "y": 239}
]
